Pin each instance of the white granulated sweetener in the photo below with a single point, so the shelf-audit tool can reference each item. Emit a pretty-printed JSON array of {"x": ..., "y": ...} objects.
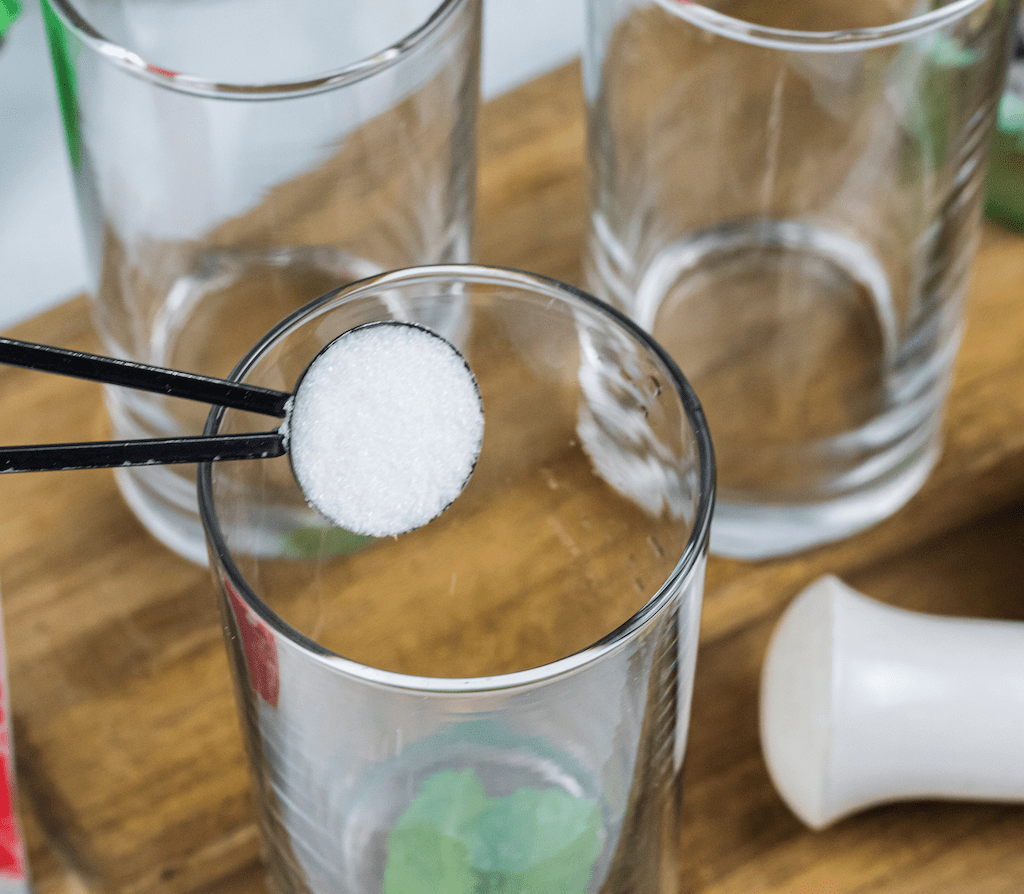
[{"x": 385, "y": 428}]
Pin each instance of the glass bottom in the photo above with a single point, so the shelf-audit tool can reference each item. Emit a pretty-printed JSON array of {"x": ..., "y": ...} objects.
[
  {"x": 208, "y": 321},
  {"x": 824, "y": 422},
  {"x": 752, "y": 531},
  {"x": 466, "y": 813}
]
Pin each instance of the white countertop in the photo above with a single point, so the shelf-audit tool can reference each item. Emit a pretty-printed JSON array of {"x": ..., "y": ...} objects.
[{"x": 41, "y": 259}]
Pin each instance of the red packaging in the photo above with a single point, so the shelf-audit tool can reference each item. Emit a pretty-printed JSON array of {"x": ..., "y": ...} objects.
[{"x": 13, "y": 865}]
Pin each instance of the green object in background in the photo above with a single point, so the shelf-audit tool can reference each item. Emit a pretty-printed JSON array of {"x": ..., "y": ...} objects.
[
  {"x": 9, "y": 10},
  {"x": 1004, "y": 188},
  {"x": 64, "y": 74}
]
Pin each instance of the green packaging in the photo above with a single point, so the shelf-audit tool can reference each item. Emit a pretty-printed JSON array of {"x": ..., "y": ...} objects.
[{"x": 9, "y": 10}]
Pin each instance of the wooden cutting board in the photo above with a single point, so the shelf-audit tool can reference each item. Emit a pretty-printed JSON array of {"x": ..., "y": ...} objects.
[{"x": 128, "y": 751}]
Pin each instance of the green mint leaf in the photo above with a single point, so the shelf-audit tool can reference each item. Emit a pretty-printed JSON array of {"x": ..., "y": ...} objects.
[
  {"x": 449, "y": 801},
  {"x": 538, "y": 840},
  {"x": 453, "y": 839},
  {"x": 951, "y": 53},
  {"x": 1011, "y": 115},
  {"x": 309, "y": 543},
  {"x": 423, "y": 861}
]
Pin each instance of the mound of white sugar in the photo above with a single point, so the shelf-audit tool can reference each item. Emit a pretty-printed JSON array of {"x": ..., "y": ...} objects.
[{"x": 385, "y": 428}]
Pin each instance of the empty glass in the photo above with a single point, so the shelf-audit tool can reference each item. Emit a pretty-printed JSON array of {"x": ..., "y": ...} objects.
[
  {"x": 233, "y": 159},
  {"x": 787, "y": 195}
]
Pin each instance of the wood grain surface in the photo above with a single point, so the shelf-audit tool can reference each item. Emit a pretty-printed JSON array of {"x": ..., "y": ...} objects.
[{"x": 128, "y": 752}]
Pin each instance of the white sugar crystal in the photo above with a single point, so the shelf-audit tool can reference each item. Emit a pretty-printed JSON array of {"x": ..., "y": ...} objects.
[{"x": 385, "y": 428}]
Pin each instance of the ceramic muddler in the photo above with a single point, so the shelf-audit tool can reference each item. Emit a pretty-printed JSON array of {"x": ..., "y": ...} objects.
[{"x": 863, "y": 703}]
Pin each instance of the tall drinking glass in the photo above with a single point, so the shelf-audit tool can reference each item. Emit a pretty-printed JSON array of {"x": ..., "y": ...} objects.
[
  {"x": 234, "y": 159},
  {"x": 499, "y": 700},
  {"x": 787, "y": 195}
]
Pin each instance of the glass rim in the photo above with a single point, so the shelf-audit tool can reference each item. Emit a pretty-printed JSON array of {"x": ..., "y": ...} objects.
[
  {"x": 686, "y": 565},
  {"x": 134, "y": 64},
  {"x": 840, "y": 41}
]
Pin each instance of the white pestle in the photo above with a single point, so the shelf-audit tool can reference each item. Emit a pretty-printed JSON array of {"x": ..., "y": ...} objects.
[{"x": 863, "y": 703}]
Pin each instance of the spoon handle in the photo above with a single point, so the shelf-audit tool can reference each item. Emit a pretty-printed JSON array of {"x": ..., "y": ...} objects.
[
  {"x": 156, "y": 451},
  {"x": 114, "y": 371}
]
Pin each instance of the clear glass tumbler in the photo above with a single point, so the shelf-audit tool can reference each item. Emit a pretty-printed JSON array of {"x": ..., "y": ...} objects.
[
  {"x": 498, "y": 701},
  {"x": 787, "y": 195},
  {"x": 234, "y": 159}
]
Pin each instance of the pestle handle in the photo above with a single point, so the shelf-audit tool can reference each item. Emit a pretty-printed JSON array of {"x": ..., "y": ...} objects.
[{"x": 864, "y": 703}]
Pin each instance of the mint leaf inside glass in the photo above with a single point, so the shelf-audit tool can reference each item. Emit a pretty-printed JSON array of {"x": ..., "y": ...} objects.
[
  {"x": 454, "y": 838},
  {"x": 421, "y": 860}
]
